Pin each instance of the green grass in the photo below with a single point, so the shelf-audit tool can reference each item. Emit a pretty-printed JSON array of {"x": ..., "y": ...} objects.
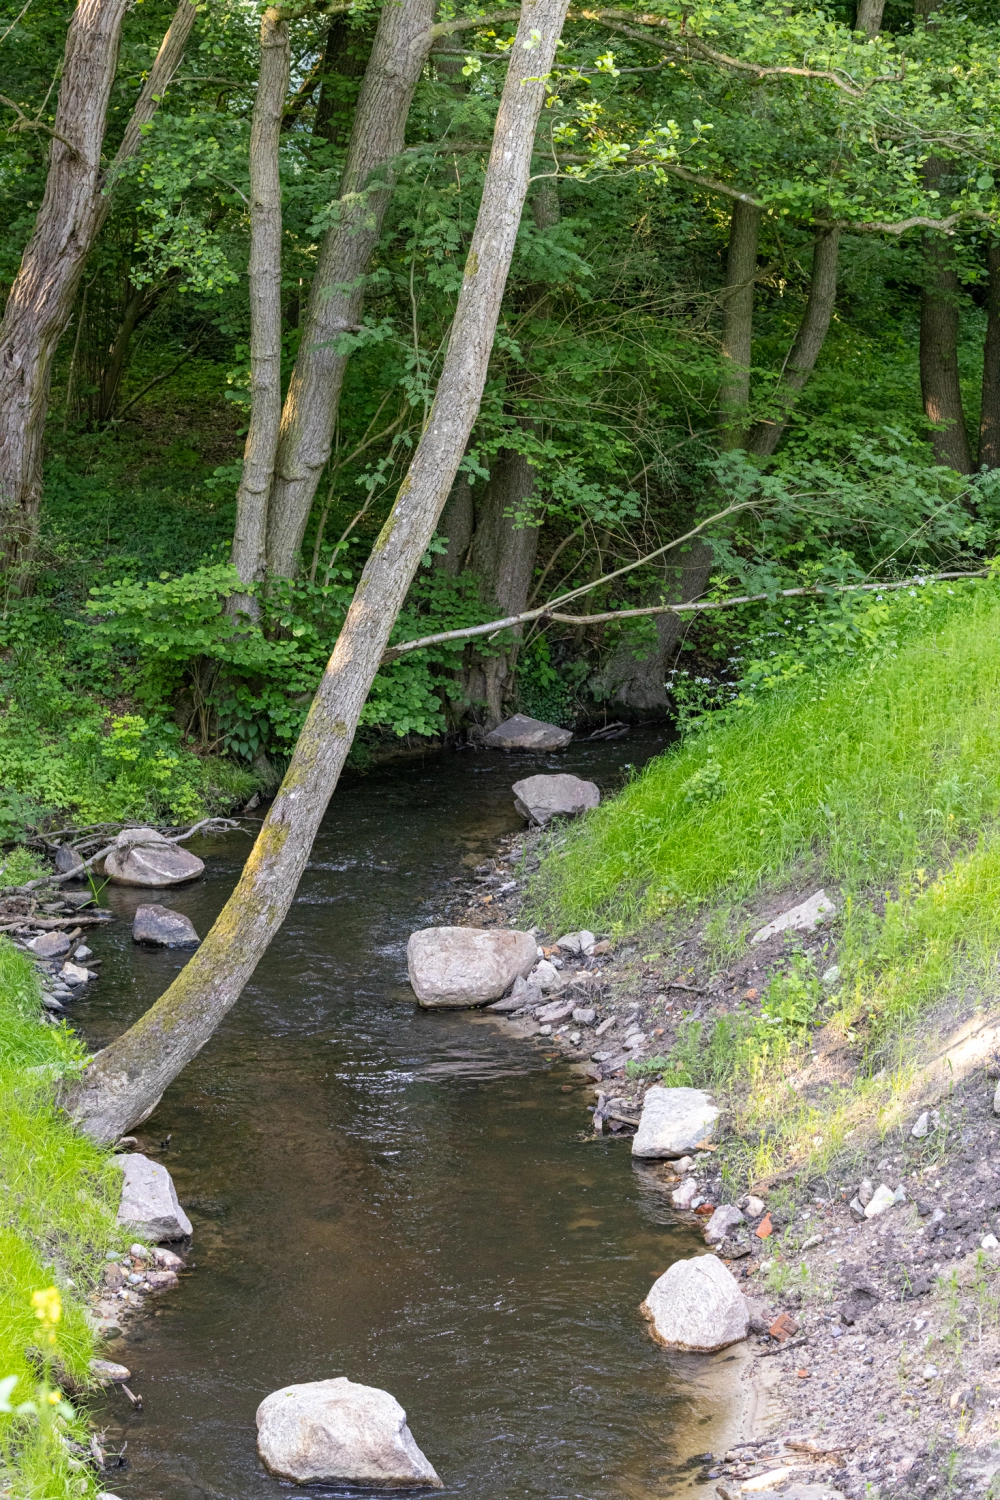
[
  {"x": 856, "y": 773},
  {"x": 881, "y": 774},
  {"x": 58, "y": 1194}
]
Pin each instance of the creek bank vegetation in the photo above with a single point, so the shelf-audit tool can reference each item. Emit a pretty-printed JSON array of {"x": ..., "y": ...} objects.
[{"x": 852, "y": 1047}]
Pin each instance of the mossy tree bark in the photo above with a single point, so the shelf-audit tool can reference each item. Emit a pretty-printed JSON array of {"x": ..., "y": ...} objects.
[
  {"x": 264, "y": 276},
  {"x": 737, "y": 332},
  {"x": 809, "y": 340},
  {"x": 74, "y": 207},
  {"x": 869, "y": 17},
  {"x": 939, "y": 382},
  {"x": 989, "y": 421},
  {"x": 123, "y": 1083}
]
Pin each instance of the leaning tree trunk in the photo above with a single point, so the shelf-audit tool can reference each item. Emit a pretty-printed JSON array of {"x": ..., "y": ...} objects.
[
  {"x": 73, "y": 209},
  {"x": 264, "y": 279},
  {"x": 939, "y": 382},
  {"x": 124, "y": 1082},
  {"x": 989, "y": 421},
  {"x": 809, "y": 341},
  {"x": 737, "y": 333},
  {"x": 503, "y": 558},
  {"x": 402, "y": 43}
]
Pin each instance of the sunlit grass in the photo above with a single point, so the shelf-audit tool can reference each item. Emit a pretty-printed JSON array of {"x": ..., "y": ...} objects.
[
  {"x": 58, "y": 1195},
  {"x": 861, "y": 774}
]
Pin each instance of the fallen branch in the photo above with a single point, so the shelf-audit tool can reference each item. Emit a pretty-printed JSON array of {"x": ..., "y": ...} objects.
[
  {"x": 550, "y": 615},
  {"x": 219, "y": 824}
]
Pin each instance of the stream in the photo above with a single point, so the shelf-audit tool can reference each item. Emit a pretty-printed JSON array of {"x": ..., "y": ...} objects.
[{"x": 404, "y": 1198}]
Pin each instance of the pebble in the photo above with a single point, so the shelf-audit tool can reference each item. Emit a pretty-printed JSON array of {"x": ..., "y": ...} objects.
[
  {"x": 82, "y": 953},
  {"x": 989, "y": 1242},
  {"x": 881, "y": 1199},
  {"x": 753, "y": 1207},
  {"x": 584, "y": 1015}
]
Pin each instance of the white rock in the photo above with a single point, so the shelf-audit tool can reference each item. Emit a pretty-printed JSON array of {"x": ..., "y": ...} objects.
[
  {"x": 584, "y": 1015},
  {"x": 577, "y": 942},
  {"x": 996, "y": 1100},
  {"x": 684, "y": 1196},
  {"x": 149, "y": 1203},
  {"x": 524, "y": 733},
  {"x": 73, "y": 974},
  {"x": 989, "y": 1242},
  {"x": 922, "y": 1124},
  {"x": 882, "y": 1198},
  {"x": 805, "y": 917},
  {"x": 142, "y": 856},
  {"x": 337, "y": 1432},
  {"x": 766, "y": 1481},
  {"x": 458, "y": 966},
  {"x": 754, "y": 1207},
  {"x": 546, "y": 975},
  {"x": 899, "y": 1196},
  {"x": 697, "y": 1305},
  {"x": 674, "y": 1122},
  {"x": 542, "y": 798},
  {"x": 722, "y": 1221}
]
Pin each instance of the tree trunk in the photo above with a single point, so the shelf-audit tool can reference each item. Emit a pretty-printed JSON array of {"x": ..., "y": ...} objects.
[
  {"x": 869, "y": 17},
  {"x": 737, "y": 333},
  {"x": 503, "y": 558},
  {"x": 124, "y": 1082},
  {"x": 456, "y": 524},
  {"x": 402, "y": 43},
  {"x": 637, "y": 685},
  {"x": 139, "y": 304},
  {"x": 73, "y": 209},
  {"x": 809, "y": 341},
  {"x": 989, "y": 421},
  {"x": 264, "y": 278},
  {"x": 939, "y": 383},
  {"x": 345, "y": 58}
]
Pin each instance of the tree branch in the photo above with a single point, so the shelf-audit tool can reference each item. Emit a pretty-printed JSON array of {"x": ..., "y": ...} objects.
[
  {"x": 165, "y": 65},
  {"x": 549, "y": 614}
]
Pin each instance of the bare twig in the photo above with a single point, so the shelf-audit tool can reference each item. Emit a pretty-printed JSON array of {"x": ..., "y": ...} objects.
[{"x": 697, "y": 607}]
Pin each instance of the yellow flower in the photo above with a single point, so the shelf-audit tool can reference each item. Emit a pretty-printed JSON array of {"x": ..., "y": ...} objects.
[{"x": 47, "y": 1305}]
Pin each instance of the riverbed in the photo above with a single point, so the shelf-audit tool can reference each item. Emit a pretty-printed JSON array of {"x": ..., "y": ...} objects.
[{"x": 412, "y": 1200}]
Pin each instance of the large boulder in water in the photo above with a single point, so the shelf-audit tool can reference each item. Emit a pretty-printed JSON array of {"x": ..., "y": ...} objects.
[
  {"x": 451, "y": 967},
  {"x": 149, "y": 1205},
  {"x": 697, "y": 1305},
  {"x": 142, "y": 856},
  {"x": 164, "y": 928},
  {"x": 337, "y": 1432},
  {"x": 522, "y": 733},
  {"x": 674, "y": 1122},
  {"x": 542, "y": 798}
]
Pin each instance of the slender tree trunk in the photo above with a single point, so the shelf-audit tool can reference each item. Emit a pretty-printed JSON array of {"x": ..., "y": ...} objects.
[
  {"x": 124, "y": 1082},
  {"x": 402, "y": 43},
  {"x": 503, "y": 558},
  {"x": 809, "y": 341},
  {"x": 138, "y": 307},
  {"x": 73, "y": 209},
  {"x": 869, "y": 17},
  {"x": 264, "y": 277},
  {"x": 345, "y": 58},
  {"x": 989, "y": 421},
  {"x": 737, "y": 332}
]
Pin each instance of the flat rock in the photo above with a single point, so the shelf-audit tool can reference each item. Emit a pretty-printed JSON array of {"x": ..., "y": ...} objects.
[
  {"x": 522, "y": 733},
  {"x": 882, "y": 1198},
  {"x": 674, "y": 1122},
  {"x": 106, "y": 1370},
  {"x": 539, "y": 799},
  {"x": 50, "y": 945},
  {"x": 164, "y": 927},
  {"x": 337, "y": 1432},
  {"x": 580, "y": 944},
  {"x": 697, "y": 1305},
  {"x": 142, "y": 856},
  {"x": 684, "y": 1196},
  {"x": 72, "y": 974},
  {"x": 451, "y": 967},
  {"x": 149, "y": 1203},
  {"x": 805, "y": 917}
]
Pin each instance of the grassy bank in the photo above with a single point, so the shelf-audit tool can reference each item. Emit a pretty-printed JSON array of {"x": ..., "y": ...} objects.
[
  {"x": 58, "y": 1195},
  {"x": 874, "y": 775}
]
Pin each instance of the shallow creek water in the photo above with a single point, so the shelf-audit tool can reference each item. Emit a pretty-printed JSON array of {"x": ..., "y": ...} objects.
[{"x": 399, "y": 1197}]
